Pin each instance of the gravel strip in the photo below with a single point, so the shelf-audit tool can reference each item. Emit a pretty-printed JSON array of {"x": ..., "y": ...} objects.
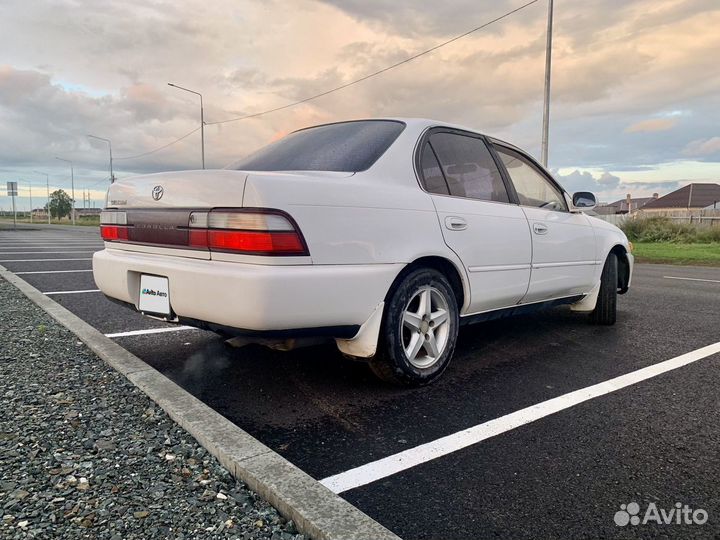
[{"x": 85, "y": 454}]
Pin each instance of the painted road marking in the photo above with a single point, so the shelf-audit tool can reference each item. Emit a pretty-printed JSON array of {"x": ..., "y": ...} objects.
[
  {"x": 693, "y": 279},
  {"x": 150, "y": 331},
  {"x": 382, "y": 468},
  {"x": 41, "y": 260},
  {"x": 51, "y": 272},
  {"x": 72, "y": 292},
  {"x": 47, "y": 243},
  {"x": 53, "y": 246},
  {"x": 42, "y": 252}
]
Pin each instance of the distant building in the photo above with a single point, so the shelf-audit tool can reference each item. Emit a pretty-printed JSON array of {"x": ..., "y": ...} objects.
[
  {"x": 628, "y": 205},
  {"x": 87, "y": 212},
  {"x": 690, "y": 200}
]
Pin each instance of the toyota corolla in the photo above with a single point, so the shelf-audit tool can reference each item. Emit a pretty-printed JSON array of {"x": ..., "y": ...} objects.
[{"x": 383, "y": 235}]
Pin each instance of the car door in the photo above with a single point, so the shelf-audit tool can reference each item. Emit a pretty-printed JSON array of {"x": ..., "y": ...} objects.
[
  {"x": 563, "y": 243},
  {"x": 479, "y": 222}
]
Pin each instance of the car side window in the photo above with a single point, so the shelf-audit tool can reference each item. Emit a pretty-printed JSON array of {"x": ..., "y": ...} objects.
[
  {"x": 432, "y": 175},
  {"x": 532, "y": 187},
  {"x": 468, "y": 167}
]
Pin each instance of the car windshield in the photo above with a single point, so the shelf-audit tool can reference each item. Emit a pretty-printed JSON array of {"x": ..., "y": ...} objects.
[{"x": 342, "y": 147}]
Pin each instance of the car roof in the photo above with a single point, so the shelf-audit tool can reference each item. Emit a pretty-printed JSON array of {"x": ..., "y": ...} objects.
[{"x": 420, "y": 124}]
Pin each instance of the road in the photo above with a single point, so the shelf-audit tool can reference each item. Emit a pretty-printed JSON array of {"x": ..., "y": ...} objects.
[{"x": 563, "y": 475}]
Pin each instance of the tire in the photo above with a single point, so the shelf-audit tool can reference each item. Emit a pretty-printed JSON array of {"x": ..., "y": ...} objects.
[
  {"x": 409, "y": 326},
  {"x": 605, "y": 312}
]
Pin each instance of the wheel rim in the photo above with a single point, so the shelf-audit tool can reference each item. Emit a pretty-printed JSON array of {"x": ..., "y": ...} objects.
[{"x": 425, "y": 327}]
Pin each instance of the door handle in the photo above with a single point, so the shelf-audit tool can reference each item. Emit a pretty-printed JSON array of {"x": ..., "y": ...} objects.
[
  {"x": 540, "y": 228},
  {"x": 455, "y": 223}
]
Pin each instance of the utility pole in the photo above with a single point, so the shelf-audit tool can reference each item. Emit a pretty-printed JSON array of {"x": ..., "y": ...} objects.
[
  {"x": 202, "y": 119},
  {"x": 546, "y": 107},
  {"x": 47, "y": 184},
  {"x": 31, "y": 208},
  {"x": 72, "y": 187},
  {"x": 112, "y": 177}
]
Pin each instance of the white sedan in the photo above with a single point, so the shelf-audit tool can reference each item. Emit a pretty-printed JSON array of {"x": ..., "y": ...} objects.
[{"x": 384, "y": 235}]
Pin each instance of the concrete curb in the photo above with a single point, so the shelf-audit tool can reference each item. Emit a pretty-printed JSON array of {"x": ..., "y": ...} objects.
[{"x": 316, "y": 511}]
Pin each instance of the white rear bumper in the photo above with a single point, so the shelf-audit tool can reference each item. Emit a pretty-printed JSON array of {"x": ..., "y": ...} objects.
[{"x": 251, "y": 296}]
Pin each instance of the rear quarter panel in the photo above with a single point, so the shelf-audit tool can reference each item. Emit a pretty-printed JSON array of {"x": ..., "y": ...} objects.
[{"x": 355, "y": 220}]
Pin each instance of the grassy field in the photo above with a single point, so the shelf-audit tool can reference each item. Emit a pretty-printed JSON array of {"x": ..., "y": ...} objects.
[
  {"x": 82, "y": 222},
  {"x": 678, "y": 253}
]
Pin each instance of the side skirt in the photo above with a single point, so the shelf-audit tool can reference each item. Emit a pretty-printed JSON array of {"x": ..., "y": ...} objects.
[{"x": 518, "y": 310}]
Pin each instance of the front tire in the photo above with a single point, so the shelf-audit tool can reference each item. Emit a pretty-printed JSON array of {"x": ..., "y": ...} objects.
[
  {"x": 419, "y": 330},
  {"x": 605, "y": 312}
]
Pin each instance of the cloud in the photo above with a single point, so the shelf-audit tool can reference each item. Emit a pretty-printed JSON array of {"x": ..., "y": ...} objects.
[
  {"x": 608, "y": 186},
  {"x": 102, "y": 67},
  {"x": 702, "y": 147},
  {"x": 653, "y": 124},
  {"x": 585, "y": 181}
]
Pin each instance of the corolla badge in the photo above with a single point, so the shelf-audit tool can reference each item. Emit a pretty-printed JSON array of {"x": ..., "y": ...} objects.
[{"x": 157, "y": 192}]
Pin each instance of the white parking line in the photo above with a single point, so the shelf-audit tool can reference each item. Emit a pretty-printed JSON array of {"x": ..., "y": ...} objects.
[
  {"x": 43, "y": 252},
  {"x": 51, "y": 272},
  {"x": 382, "y": 468},
  {"x": 693, "y": 279},
  {"x": 72, "y": 292},
  {"x": 43, "y": 260},
  {"x": 150, "y": 331},
  {"x": 48, "y": 244}
]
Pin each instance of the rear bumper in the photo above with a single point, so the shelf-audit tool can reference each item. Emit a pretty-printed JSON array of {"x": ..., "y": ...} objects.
[{"x": 266, "y": 299}]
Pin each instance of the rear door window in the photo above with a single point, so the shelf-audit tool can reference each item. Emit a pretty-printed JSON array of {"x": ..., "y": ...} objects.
[
  {"x": 468, "y": 167},
  {"x": 432, "y": 175}
]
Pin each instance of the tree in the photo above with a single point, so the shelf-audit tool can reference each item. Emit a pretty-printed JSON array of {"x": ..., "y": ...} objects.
[{"x": 60, "y": 204}]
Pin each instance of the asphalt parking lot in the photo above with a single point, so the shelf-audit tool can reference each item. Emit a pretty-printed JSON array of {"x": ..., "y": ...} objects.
[{"x": 563, "y": 475}]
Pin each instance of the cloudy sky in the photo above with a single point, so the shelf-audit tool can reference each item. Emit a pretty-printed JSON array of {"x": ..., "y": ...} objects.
[{"x": 635, "y": 97}]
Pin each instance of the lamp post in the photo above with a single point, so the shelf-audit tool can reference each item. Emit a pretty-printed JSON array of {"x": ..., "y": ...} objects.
[
  {"x": 546, "y": 104},
  {"x": 30, "y": 186},
  {"x": 112, "y": 178},
  {"x": 202, "y": 119},
  {"x": 47, "y": 184},
  {"x": 72, "y": 187}
]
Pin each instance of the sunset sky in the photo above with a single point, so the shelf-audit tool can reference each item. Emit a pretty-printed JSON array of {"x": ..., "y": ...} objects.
[{"x": 635, "y": 96}]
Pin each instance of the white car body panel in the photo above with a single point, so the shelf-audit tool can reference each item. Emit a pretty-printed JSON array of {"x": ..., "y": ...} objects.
[
  {"x": 362, "y": 230},
  {"x": 498, "y": 276},
  {"x": 564, "y": 256}
]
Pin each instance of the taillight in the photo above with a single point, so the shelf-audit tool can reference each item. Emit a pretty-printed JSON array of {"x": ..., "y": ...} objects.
[
  {"x": 113, "y": 225},
  {"x": 113, "y": 232},
  {"x": 251, "y": 231}
]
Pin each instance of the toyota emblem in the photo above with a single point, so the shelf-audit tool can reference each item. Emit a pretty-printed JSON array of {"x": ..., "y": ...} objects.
[{"x": 157, "y": 192}]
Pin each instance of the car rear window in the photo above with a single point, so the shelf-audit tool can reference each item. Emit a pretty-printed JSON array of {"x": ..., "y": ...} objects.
[{"x": 342, "y": 147}]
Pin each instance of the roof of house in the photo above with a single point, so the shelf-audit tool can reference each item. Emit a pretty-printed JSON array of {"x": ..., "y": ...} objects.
[{"x": 690, "y": 196}]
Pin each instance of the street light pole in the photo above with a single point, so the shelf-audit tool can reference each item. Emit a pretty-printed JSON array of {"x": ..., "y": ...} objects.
[
  {"x": 112, "y": 178},
  {"x": 202, "y": 119},
  {"x": 72, "y": 187},
  {"x": 546, "y": 108},
  {"x": 47, "y": 184},
  {"x": 30, "y": 185}
]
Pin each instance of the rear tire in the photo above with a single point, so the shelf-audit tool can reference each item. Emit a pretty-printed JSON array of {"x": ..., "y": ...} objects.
[
  {"x": 419, "y": 330},
  {"x": 605, "y": 312}
]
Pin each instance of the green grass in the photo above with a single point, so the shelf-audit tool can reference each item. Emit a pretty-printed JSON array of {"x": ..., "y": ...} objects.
[
  {"x": 93, "y": 221},
  {"x": 678, "y": 253}
]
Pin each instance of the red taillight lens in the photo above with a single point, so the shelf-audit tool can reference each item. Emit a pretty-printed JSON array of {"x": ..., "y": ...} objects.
[
  {"x": 269, "y": 243},
  {"x": 113, "y": 232},
  {"x": 255, "y": 232}
]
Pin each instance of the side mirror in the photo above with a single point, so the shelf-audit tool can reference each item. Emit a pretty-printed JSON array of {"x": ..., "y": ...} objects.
[{"x": 584, "y": 200}]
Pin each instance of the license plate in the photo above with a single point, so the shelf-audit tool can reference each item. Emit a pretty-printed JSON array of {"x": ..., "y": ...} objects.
[{"x": 154, "y": 295}]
